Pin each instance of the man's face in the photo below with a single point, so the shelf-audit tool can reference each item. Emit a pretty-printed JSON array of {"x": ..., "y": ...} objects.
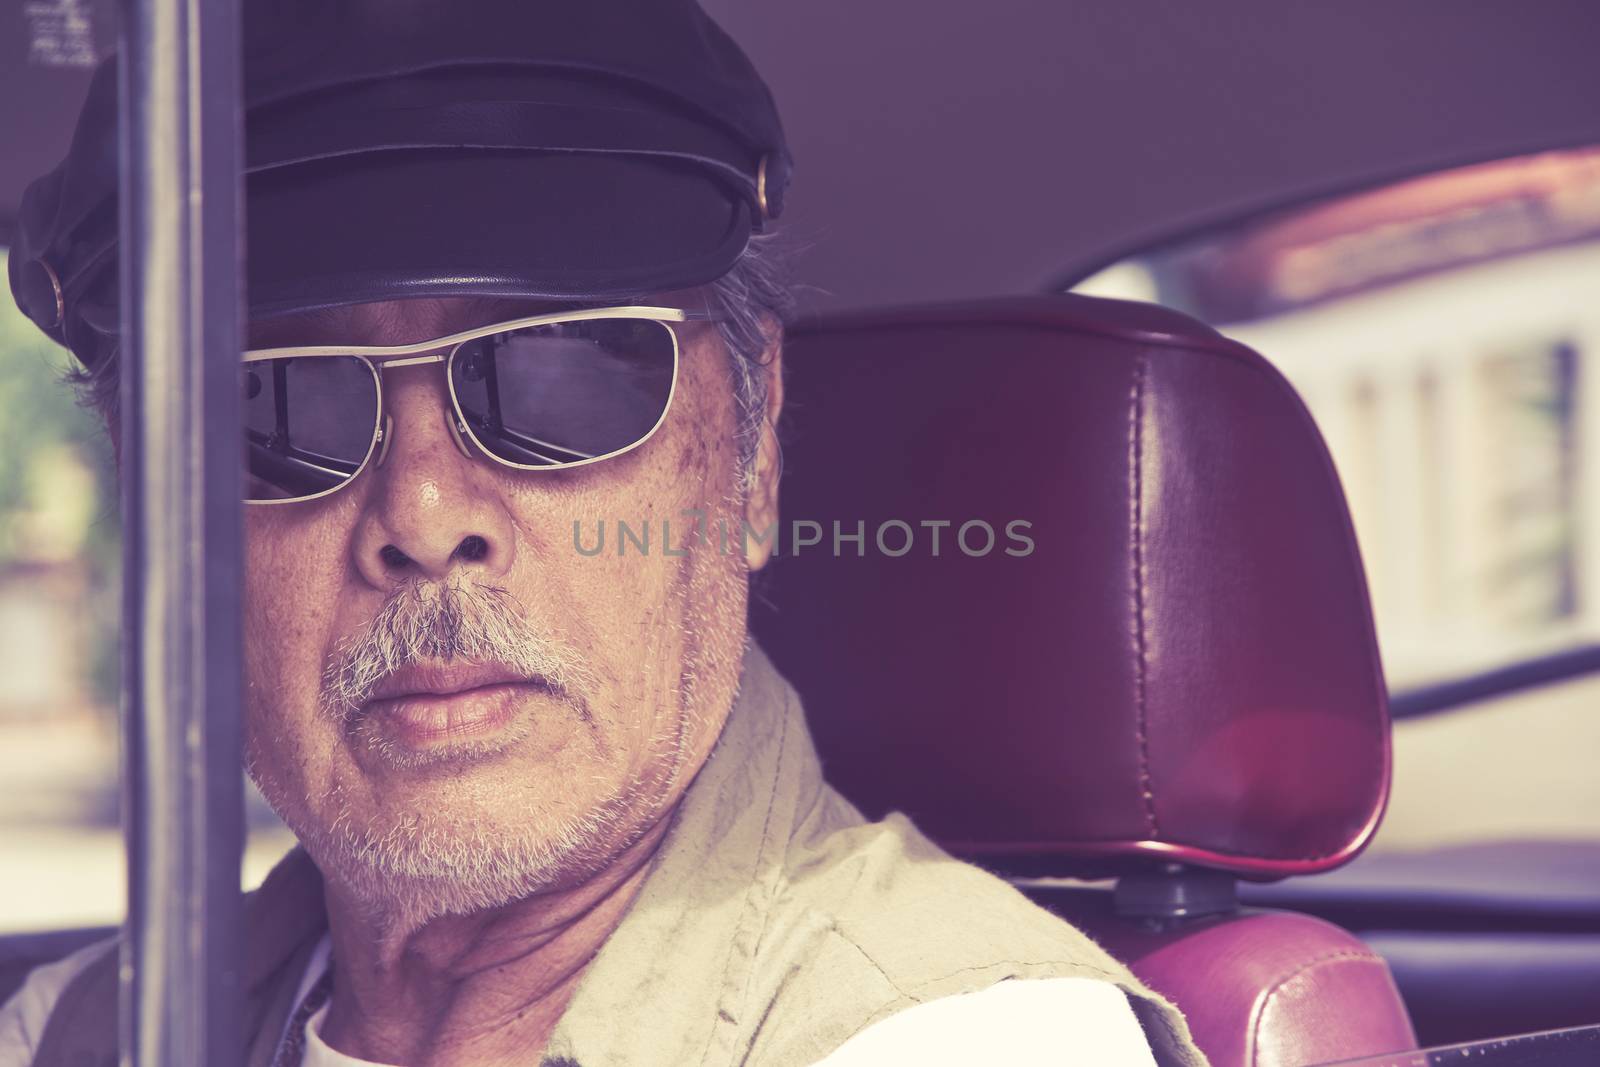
[{"x": 457, "y": 784}]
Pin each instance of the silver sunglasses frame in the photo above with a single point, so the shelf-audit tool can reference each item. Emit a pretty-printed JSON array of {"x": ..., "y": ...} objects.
[{"x": 378, "y": 357}]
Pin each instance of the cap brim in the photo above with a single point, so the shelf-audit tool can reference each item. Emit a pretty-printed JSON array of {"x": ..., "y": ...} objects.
[{"x": 578, "y": 226}]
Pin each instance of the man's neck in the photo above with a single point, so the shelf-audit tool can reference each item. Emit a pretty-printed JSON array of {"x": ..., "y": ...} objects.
[{"x": 480, "y": 989}]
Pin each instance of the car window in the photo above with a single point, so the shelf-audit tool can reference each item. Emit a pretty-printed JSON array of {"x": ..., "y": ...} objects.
[
  {"x": 1445, "y": 333},
  {"x": 60, "y": 587}
]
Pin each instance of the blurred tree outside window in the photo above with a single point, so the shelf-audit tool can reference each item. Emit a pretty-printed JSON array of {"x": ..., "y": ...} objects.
[
  {"x": 60, "y": 675},
  {"x": 59, "y": 596}
]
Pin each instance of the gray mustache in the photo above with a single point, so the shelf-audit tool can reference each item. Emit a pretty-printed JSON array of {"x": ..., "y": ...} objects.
[{"x": 423, "y": 621}]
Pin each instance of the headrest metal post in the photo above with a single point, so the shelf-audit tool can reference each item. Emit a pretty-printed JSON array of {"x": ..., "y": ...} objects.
[{"x": 1176, "y": 891}]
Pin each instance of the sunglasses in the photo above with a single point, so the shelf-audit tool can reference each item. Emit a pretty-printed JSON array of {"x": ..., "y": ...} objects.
[{"x": 542, "y": 393}]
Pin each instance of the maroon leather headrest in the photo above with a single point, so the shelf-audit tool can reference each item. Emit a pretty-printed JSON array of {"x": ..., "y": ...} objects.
[{"x": 1165, "y": 653}]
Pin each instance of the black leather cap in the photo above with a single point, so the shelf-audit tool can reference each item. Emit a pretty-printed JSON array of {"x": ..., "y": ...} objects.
[{"x": 577, "y": 150}]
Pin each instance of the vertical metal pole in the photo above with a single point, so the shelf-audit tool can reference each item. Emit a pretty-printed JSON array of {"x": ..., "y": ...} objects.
[{"x": 183, "y": 799}]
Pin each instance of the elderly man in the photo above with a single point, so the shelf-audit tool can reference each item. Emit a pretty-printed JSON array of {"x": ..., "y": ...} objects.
[{"x": 552, "y": 803}]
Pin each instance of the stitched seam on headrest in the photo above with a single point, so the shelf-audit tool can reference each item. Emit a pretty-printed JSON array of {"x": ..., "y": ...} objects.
[{"x": 1136, "y": 537}]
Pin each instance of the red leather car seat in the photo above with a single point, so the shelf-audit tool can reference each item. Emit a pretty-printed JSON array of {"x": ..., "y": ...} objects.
[{"x": 1158, "y": 664}]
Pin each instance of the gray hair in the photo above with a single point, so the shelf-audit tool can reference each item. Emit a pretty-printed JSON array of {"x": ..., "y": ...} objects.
[{"x": 751, "y": 304}]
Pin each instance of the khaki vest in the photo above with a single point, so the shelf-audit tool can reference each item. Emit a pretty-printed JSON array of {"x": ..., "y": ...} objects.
[{"x": 775, "y": 924}]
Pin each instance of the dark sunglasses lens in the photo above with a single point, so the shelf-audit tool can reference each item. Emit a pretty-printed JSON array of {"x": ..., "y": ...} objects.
[
  {"x": 567, "y": 392},
  {"x": 308, "y": 424}
]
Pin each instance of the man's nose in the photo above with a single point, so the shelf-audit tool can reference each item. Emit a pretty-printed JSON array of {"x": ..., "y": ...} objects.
[{"x": 431, "y": 511}]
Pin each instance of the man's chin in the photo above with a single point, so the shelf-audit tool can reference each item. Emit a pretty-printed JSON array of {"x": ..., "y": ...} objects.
[{"x": 421, "y": 868}]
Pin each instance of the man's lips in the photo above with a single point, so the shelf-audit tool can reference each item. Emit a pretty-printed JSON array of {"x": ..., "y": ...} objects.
[
  {"x": 446, "y": 679},
  {"x": 427, "y": 705}
]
